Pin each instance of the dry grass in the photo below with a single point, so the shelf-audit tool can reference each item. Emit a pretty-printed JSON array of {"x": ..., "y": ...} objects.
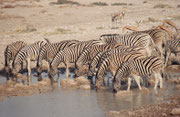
[
  {"x": 99, "y": 4},
  {"x": 58, "y": 31},
  {"x": 121, "y": 4},
  {"x": 4, "y": 16},
  {"x": 151, "y": 19},
  {"x": 176, "y": 17},
  {"x": 162, "y": 6},
  {"x": 26, "y": 29},
  {"x": 8, "y": 6},
  {"x": 99, "y": 28},
  {"x": 66, "y": 2}
]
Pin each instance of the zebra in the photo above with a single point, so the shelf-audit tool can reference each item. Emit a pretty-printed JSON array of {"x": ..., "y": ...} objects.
[
  {"x": 81, "y": 65},
  {"x": 137, "y": 68},
  {"x": 67, "y": 56},
  {"x": 139, "y": 39},
  {"x": 10, "y": 53},
  {"x": 113, "y": 62},
  {"x": 158, "y": 36},
  {"x": 172, "y": 46},
  {"x": 27, "y": 53},
  {"x": 49, "y": 50},
  {"x": 97, "y": 60}
]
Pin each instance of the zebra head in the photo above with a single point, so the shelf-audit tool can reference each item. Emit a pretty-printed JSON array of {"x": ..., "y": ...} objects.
[
  {"x": 15, "y": 69},
  {"x": 52, "y": 72},
  {"x": 116, "y": 85}
]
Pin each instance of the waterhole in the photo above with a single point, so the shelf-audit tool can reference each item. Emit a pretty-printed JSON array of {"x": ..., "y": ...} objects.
[{"x": 79, "y": 103}]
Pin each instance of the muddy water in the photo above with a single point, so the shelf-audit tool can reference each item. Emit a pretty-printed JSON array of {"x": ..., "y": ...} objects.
[{"x": 79, "y": 103}]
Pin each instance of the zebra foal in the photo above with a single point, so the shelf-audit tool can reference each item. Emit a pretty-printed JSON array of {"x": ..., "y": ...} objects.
[{"x": 137, "y": 68}]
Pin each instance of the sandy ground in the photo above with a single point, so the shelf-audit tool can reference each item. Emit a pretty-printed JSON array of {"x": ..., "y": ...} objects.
[{"x": 31, "y": 21}]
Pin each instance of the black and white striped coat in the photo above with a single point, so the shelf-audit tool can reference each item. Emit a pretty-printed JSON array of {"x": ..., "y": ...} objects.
[
  {"x": 101, "y": 56},
  {"x": 49, "y": 50},
  {"x": 69, "y": 55},
  {"x": 137, "y": 68},
  {"x": 27, "y": 53},
  {"x": 112, "y": 63},
  {"x": 133, "y": 39},
  {"x": 172, "y": 46},
  {"x": 10, "y": 53},
  {"x": 82, "y": 63}
]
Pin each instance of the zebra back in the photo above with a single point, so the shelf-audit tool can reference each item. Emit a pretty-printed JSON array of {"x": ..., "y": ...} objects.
[
  {"x": 139, "y": 39},
  {"x": 156, "y": 34}
]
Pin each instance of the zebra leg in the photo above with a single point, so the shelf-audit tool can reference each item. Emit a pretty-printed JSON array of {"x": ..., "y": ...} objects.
[
  {"x": 168, "y": 53},
  {"x": 158, "y": 75},
  {"x": 67, "y": 70},
  {"x": 137, "y": 79},
  {"x": 129, "y": 83},
  {"x": 29, "y": 71},
  {"x": 7, "y": 72},
  {"x": 156, "y": 81},
  {"x": 108, "y": 77}
]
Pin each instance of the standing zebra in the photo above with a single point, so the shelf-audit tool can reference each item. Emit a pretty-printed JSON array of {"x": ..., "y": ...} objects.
[
  {"x": 27, "y": 53},
  {"x": 68, "y": 55},
  {"x": 137, "y": 68},
  {"x": 139, "y": 39},
  {"x": 99, "y": 58},
  {"x": 10, "y": 53},
  {"x": 113, "y": 62},
  {"x": 172, "y": 46},
  {"x": 88, "y": 54},
  {"x": 49, "y": 50}
]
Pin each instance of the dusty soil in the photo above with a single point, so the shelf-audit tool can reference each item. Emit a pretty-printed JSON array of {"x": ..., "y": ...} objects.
[{"x": 31, "y": 21}]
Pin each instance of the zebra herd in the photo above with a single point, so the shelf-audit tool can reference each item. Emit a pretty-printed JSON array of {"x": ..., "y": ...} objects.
[{"x": 124, "y": 55}]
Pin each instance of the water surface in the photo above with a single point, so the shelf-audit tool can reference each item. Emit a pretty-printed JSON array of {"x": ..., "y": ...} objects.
[{"x": 78, "y": 103}]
